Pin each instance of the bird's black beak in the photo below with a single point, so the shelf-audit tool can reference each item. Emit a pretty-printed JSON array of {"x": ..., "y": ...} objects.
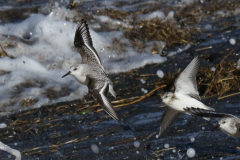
[
  {"x": 216, "y": 127},
  {"x": 66, "y": 74}
]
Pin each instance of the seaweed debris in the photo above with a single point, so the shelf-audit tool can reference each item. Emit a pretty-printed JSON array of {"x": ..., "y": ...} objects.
[
  {"x": 224, "y": 79},
  {"x": 3, "y": 53},
  {"x": 198, "y": 11},
  {"x": 159, "y": 30},
  {"x": 112, "y": 13}
]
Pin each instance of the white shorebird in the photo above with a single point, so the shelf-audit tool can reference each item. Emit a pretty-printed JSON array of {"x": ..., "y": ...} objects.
[
  {"x": 228, "y": 123},
  {"x": 185, "y": 95},
  {"x": 91, "y": 72}
]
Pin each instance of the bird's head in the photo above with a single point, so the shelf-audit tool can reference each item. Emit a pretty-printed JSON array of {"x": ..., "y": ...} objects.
[
  {"x": 166, "y": 97},
  {"x": 79, "y": 72},
  {"x": 74, "y": 70},
  {"x": 226, "y": 124}
]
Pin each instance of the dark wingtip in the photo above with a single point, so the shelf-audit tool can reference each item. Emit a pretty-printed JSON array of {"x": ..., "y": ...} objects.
[{"x": 82, "y": 33}]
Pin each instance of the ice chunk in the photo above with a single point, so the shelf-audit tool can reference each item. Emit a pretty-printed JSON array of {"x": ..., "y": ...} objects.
[
  {"x": 170, "y": 15},
  {"x": 136, "y": 144},
  {"x": 232, "y": 41},
  {"x": 156, "y": 14},
  {"x": 3, "y": 125},
  {"x": 191, "y": 152},
  {"x": 95, "y": 148},
  {"x": 14, "y": 152},
  {"x": 160, "y": 74},
  {"x": 145, "y": 91},
  {"x": 143, "y": 81},
  {"x": 166, "y": 145},
  {"x": 172, "y": 53},
  {"x": 213, "y": 69},
  {"x": 192, "y": 139}
]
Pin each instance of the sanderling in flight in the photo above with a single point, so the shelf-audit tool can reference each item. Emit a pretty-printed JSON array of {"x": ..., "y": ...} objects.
[
  {"x": 185, "y": 95},
  {"x": 228, "y": 123},
  {"x": 91, "y": 72}
]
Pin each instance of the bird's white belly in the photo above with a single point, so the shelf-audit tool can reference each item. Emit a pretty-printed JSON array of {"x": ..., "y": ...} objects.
[
  {"x": 82, "y": 79},
  {"x": 183, "y": 102}
]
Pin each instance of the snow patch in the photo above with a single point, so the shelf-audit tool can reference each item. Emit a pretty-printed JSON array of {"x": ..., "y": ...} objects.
[
  {"x": 191, "y": 152},
  {"x": 3, "y": 125},
  {"x": 160, "y": 74},
  {"x": 45, "y": 51}
]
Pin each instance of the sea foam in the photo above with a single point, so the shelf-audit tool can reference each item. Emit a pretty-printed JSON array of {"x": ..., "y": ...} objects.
[{"x": 43, "y": 51}]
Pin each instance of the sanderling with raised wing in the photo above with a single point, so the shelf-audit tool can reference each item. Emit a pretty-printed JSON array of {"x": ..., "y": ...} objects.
[
  {"x": 91, "y": 72},
  {"x": 228, "y": 123},
  {"x": 185, "y": 95}
]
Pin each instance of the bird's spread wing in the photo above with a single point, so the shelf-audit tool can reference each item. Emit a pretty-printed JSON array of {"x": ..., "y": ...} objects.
[
  {"x": 168, "y": 118},
  {"x": 206, "y": 113},
  {"x": 186, "y": 82},
  {"x": 84, "y": 45},
  {"x": 100, "y": 96}
]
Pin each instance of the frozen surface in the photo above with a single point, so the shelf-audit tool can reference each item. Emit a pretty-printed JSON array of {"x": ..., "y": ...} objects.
[
  {"x": 232, "y": 41},
  {"x": 158, "y": 14},
  {"x": 160, "y": 74},
  {"x": 166, "y": 145},
  {"x": 10, "y": 150},
  {"x": 3, "y": 125},
  {"x": 95, "y": 148},
  {"x": 136, "y": 144},
  {"x": 186, "y": 47},
  {"x": 192, "y": 139},
  {"x": 191, "y": 152},
  {"x": 44, "y": 51},
  {"x": 213, "y": 69}
]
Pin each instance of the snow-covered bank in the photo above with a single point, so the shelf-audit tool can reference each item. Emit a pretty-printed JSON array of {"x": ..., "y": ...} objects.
[{"x": 43, "y": 50}]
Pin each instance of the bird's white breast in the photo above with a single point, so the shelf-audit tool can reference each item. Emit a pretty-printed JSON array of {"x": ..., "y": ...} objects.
[
  {"x": 183, "y": 101},
  {"x": 81, "y": 74},
  {"x": 82, "y": 79}
]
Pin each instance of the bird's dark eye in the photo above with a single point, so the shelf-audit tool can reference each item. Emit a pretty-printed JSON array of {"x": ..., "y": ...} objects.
[
  {"x": 75, "y": 69},
  {"x": 223, "y": 122}
]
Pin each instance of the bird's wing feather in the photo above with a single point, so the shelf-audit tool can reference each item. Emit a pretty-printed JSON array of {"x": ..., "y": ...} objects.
[
  {"x": 111, "y": 91},
  {"x": 83, "y": 43},
  {"x": 206, "y": 113},
  {"x": 168, "y": 118},
  {"x": 186, "y": 82},
  {"x": 98, "y": 75},
  {"x": 100, "y": 96}
]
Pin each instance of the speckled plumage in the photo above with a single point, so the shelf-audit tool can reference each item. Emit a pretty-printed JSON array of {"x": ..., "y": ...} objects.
[
  {"x": 91, "y": 72},
  {"x": 228, "y": 123},
  {"x": 185, "y": 94}
]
